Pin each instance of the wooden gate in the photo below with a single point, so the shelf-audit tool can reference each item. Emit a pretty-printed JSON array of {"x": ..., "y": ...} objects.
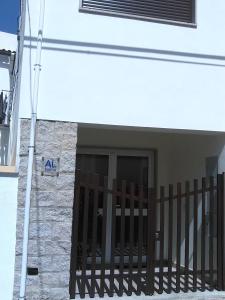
[{"x": 173, "y": 242}]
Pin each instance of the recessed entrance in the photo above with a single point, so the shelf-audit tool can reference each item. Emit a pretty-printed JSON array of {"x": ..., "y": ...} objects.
[
  {"x": 136, "y": 167},
  {"x": 126, "y": 239}
]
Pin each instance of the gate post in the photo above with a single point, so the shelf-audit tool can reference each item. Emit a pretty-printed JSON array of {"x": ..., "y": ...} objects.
[
  {"x": 220, "y": 232},
  {"x": 223, "y": 228},
  {"x": 151, "y": 238}
]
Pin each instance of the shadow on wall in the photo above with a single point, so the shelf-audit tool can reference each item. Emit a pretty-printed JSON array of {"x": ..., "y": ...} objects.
[
  {"x": 132, "y": 50},
  {"x": 181, "y": 156}
]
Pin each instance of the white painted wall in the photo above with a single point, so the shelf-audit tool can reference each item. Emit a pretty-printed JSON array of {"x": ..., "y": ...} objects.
[
  {"x": 8, "y": 208},
  {"x": 181, "y": 156},
  {"x": 8, "y": 41},
  {"x": 106, "y": 70}
]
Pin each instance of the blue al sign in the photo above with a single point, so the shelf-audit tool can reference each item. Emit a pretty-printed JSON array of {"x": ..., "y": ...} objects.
[{"x": 50, "y": 166}]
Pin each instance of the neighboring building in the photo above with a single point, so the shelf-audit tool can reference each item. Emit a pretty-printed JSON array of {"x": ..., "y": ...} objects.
[
  {"x": 130, "y": 90},
  {"x": 7, "y": 84},
  {"x": 8, "y": 175}
]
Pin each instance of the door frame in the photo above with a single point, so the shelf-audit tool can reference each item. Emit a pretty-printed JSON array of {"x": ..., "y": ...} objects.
[{"x": 113, "y": 153}]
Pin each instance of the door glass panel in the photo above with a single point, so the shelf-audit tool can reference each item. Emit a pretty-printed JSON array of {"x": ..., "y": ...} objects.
[
  {"x": 95, "y": 164},
  {"x": 133, "y": 169}
]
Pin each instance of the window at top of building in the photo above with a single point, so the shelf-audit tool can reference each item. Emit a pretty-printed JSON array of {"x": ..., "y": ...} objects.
[{"x": 177, "y": 12}]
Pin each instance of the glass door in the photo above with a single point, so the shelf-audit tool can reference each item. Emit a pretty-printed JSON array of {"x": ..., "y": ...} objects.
[{"x": 132, "y": 166}]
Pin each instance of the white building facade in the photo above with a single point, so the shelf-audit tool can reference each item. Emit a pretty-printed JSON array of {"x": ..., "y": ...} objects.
[{"x": 131, "y": 90}]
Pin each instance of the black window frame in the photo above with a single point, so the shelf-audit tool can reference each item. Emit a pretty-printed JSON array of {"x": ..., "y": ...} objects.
[{"x": 192, "y": 24}]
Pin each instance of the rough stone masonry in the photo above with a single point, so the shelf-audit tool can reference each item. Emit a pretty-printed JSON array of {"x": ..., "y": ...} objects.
[{"x": 51, "y": 210}]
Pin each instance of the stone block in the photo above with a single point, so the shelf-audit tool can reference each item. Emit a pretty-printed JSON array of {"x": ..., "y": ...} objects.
[
  {"x": 56, "y": 279},
  {"x": 19, "y": 230},
  {"x": 65, "y": 181},
  {"x": 35, "y": 247},
  {"x": 60, "y": 263},
  {"x": 37, "y": 165},
  {"x": 65, "y": 198},
  {"x": 33, "y": 290},
  {"x": 69, "y": 141},
  {"x": 48, "y": 148},
  {"x": 20, "y": 215},
  {"x": 18, "y": 248},
  {"x": 24, "y": 148},
  {"x": 33, "y": 282},
  {"x": 17, "y": 275},
  {"x": 45, "y": 264},
  {"x": 40, "y": 230},
  {"x": 67, "y": 162},
  {"x": 61, "y": 231},
  {"x": 57, "y": 214},
  {"x": 45, "y": 198},
  {"x": 66, "y": 128},
  {"x": 45, "y": 130},
  {"x": 45, "y": 183},
  {"x": 54, "y": 294},
  {"x": 37, "y": 214},
  {"x": 24, "y": 129},
  {"x": 23, "y": 163},
  {"x": 18, "y": 263},
  {"x": 56, "y": 248}
]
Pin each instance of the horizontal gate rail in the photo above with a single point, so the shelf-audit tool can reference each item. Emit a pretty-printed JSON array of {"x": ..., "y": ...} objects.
[{"x": 173, "y": 242}]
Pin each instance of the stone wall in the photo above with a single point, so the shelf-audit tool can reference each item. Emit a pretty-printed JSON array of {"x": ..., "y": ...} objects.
[{"x": 51, "y": 210}]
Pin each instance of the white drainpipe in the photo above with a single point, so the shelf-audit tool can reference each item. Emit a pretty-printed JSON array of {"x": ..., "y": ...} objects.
[{"x": 37, "y": 69}]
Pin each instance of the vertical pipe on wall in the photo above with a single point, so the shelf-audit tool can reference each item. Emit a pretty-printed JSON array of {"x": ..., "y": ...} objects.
[{"x": 37, "y": 69}]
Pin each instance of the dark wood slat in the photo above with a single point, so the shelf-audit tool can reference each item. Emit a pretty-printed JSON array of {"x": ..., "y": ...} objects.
[
  {"x": 170, "y": 239},
  {"x": 87, "y": 286},
  {"x": 222, "y": 230},
  {"x": 84, "y": 237},
  {"x": 195, "y": 235},
  {"x": 187, "y": 226},
  {"x": 94, "y": 235},
  {"x": 131, "y": 239},
  {"x": 151, "y": 242},
  {"x": 122, "y": 237},
  {"x": 154, "y": 222},
  {"x": 162, "y": 219},
  {"x": 211, "y": 228},
  {"x": 203, "y": 235},
  {"x": 148, "y": 233},
  {"x": 178, "y": 250},
  {"x": 140, "y": 238},
  {"x": 219, "y": 234},
  {"x": 75, "y": 226},
  {"x": 103, "y": 239},
  {"x": 113, "y": 234}
]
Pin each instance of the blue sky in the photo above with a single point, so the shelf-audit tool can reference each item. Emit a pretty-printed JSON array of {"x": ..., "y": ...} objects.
[{"x": 9, "y": 11}]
